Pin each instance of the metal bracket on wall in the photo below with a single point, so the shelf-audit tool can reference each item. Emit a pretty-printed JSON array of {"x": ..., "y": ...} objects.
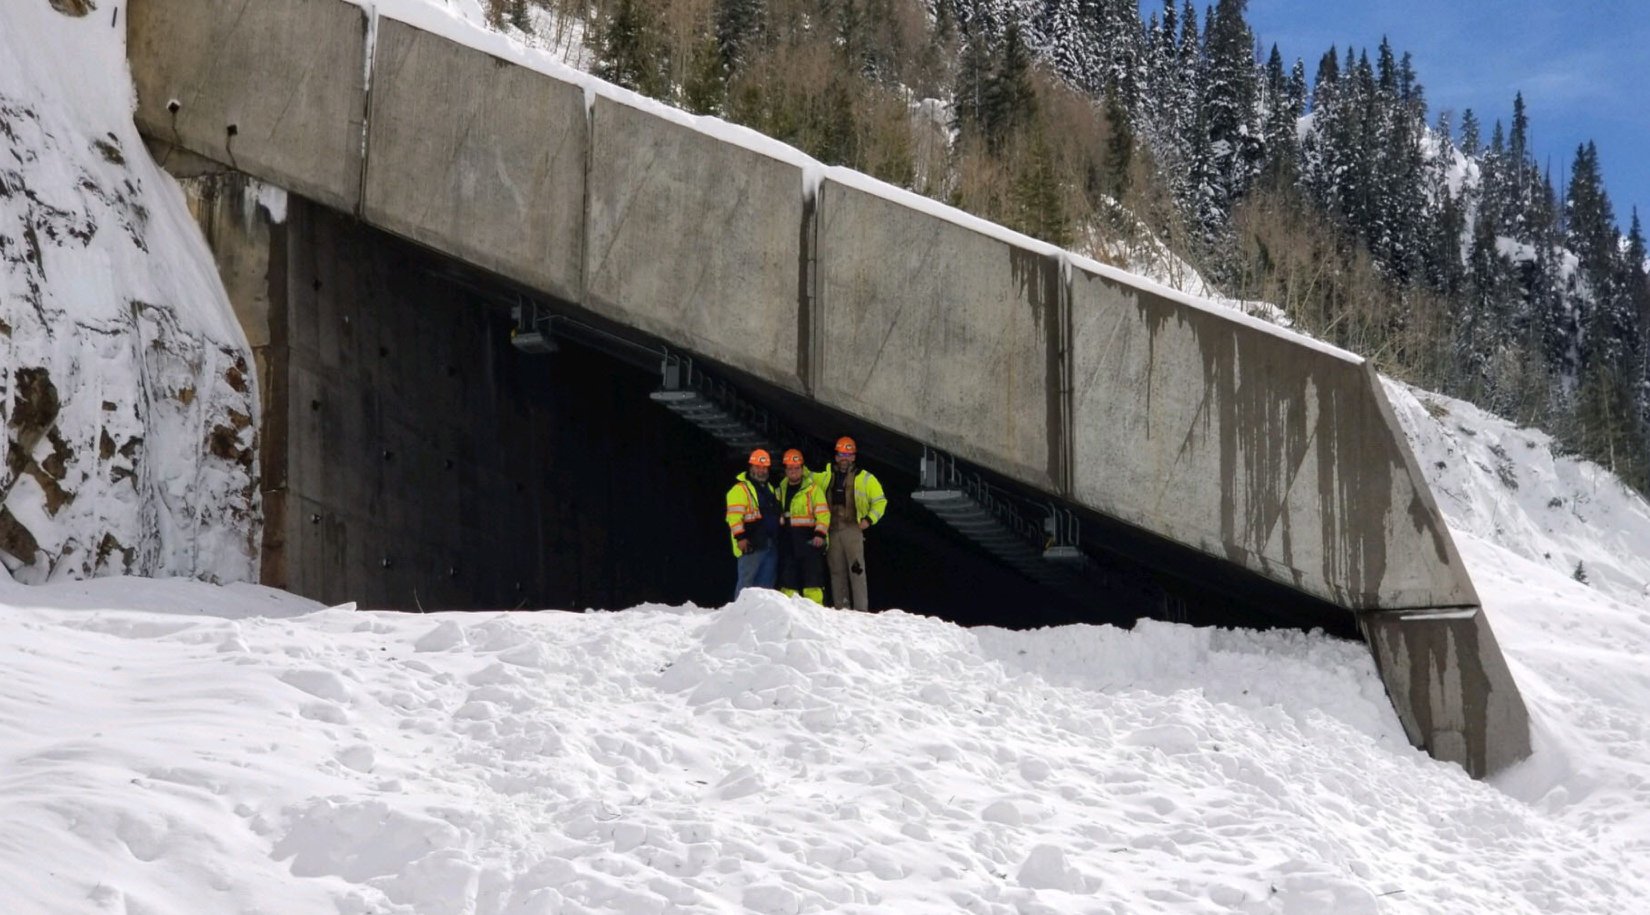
[
  {"x": 715, "y": 406},
  {"x": 1045, "y": 552},
  {"x": 686, "y": 390},
  {"x": 1065, "y": 534}
]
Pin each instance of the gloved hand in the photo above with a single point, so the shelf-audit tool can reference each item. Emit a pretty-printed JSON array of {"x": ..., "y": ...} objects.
[{"x": 744, "y": 545}]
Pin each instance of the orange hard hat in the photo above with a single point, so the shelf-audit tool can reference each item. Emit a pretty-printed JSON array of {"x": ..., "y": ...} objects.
[
  {"x": 793, "y": 458},
  {"x": 845, "y": 445},
  {"x": 760, "y": 458}
]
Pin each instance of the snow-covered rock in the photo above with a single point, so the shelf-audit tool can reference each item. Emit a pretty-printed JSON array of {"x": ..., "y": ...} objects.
[{"x": 128, "y": 406}]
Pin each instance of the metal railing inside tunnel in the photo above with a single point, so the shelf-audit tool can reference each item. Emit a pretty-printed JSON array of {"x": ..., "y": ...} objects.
[
  {"x": 1048, "y": 552},
  {"x": 704, "y": 400}
]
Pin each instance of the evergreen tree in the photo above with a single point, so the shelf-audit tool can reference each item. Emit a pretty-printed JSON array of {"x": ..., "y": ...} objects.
[
  {"x": 968, "y": 97},
  {"x": 705, "y": 89},
  {"x": 1519, "y": 179},
  {"x": 1230, "y": 133},
  {"x": 1117, "y": 164},
  {"x": 1410, "y": 91},
  {"x": 1121, "y": 48},
  {"x": 1481, "y": 325},
  {"x": 1634, "y": 277},
  {"x": 1470, "y": 141},
  {"x": 1589, "y": 223},
  {"x": 1039, "y": 203},
  {"x": 1010, "y": 102},
  {"x": 1445, "y": 273},
  {"x": 852, "y": 26},
  {"x": 1284, "y": 103},
  {"x": 1068, "y": 29},
  {"x": 1637, "y": 285},
  {"x": 738, "y": 28},
  {"x": 632, "y": 51},
  {"x": 1609, "y": 396},
  {"x": 1329, "y": 75},
  {"x": 1492, "y": 178}
]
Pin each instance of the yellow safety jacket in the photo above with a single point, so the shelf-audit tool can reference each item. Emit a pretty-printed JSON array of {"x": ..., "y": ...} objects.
[
  {"x": 807, "y": 509},
  {"x": 744, "y": 508},
  {"x": 869, "y": 501}
]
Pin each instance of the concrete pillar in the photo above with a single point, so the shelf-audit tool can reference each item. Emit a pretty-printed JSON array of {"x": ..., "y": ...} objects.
[{"x": 1450, "y": 685}]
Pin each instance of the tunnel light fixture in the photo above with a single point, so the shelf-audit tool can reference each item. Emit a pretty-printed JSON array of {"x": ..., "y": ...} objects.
[{"x": 533, "y": 342}]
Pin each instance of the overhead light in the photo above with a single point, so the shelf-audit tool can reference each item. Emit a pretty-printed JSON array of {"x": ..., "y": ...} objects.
[{"x": 534, "y": 342}]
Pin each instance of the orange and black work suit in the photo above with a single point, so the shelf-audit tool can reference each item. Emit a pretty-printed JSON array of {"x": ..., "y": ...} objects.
[{"x": 806, "y": 516}]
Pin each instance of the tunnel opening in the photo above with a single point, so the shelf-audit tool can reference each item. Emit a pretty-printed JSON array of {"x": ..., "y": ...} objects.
[{"x": 418, "y": 460}]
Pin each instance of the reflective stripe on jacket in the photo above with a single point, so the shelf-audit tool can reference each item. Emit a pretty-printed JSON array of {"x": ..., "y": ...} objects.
[
  {"x": 807, "y": 508},
  {"x": 869, "y": 501},
  {"x": 744, "y": 507}
]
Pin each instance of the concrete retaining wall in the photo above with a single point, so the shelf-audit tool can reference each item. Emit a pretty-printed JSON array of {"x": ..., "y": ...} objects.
[
  {"x": 1251, "y": 446},
  {"x": 1451, "y": 687},
  {"x": 941, "y": 332},
  {"x": 380, "y": 496},
  {"x": 498, "y": 179},
  {"x": 695, "y": 240},
  {"x": 277, "y": 90}
]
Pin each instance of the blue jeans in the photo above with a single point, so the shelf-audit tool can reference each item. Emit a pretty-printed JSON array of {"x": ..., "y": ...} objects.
[{"x": 757, "y": 569}]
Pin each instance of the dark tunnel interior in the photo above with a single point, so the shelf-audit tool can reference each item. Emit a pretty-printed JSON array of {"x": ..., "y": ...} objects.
[
  {"x": 578, "y": 491},
  {"x": 660, "y": 482},
  {"x": 915, "y": 561}
]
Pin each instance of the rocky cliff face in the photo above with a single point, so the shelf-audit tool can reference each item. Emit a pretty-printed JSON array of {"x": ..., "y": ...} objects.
[{"x": 128, "y": 408}]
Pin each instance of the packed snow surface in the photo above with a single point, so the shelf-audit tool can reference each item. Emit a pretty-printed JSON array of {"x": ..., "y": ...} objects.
[{"x": 172, "y": 746}]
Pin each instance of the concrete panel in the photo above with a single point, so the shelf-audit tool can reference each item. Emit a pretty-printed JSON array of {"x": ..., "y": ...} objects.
[
  {"x": 938, "y": 331},
  {"x": 478, "y": 158},
  {"x": 695, "y": 240},
  {"x": 317, "y": 553},
  {"x": 275, "y": 88},
  {"x": 1451, "y": 687},
  {"x": 1252, "y": 446}
]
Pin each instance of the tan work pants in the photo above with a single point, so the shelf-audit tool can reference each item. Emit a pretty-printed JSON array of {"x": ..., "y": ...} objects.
[{"x": 846, "y": 557}]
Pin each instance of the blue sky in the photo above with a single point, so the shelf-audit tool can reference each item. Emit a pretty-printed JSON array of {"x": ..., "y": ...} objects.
[{"x": 1583, "y": 66}]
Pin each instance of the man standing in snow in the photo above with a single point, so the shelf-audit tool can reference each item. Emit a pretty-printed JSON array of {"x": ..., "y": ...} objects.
[
  {"x": 807, "y": 521},
  {"x": 753, "y": 520},
  {"x": 856, "y": 502}
]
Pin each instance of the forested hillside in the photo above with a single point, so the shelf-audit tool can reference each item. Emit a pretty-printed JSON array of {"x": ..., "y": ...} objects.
[{"x": 1451, "y": 258}]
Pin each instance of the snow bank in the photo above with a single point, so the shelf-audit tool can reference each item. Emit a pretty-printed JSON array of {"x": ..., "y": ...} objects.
[
  {"x": 771, "y": 756},
  {"x": 127, "y": 401},
  {"x": 1505, "y": 484}
]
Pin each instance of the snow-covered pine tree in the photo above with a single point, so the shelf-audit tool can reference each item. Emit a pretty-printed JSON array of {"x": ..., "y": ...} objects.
[
  {"x": 1282, "y": 103},
  {"x": 1229, "y": 107},
  {"x": 1471, "y": 143}
]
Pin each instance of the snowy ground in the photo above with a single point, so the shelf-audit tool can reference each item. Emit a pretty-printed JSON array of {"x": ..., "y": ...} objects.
[{"x": 171, "y": 746}]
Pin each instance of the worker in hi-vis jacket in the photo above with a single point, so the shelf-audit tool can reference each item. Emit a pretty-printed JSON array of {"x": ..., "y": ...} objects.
[
  {"x": 856, "y": 502},
  {"x": 806, "y": 522},
  {"x": 753, "y": 521}
]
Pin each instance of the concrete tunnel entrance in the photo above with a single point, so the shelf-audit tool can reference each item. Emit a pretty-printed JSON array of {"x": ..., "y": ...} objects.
[{"x": 415, "y": 459}]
